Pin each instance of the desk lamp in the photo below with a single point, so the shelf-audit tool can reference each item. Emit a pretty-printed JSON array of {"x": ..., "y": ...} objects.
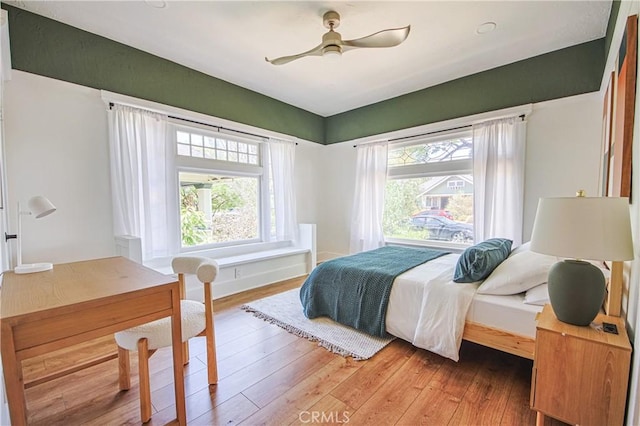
[
  {"x": 595, "y": 228},
  {"x": 39, "y": 206}
]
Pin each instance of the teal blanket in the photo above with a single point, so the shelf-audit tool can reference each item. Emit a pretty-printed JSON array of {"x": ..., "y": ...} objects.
[{"x": 354, "y": 290}]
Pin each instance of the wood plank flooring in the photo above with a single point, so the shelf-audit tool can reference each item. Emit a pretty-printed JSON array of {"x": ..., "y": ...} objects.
[{"x": 270, "y": 377}]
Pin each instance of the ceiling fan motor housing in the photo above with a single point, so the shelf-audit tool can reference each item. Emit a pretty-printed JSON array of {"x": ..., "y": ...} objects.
[
  {"x": 332, "y": 38},
  {"x": 331, "y": 19}
]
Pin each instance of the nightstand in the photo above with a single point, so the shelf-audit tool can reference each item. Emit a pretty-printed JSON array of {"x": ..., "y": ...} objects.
[{"x": 580, "y": 374}]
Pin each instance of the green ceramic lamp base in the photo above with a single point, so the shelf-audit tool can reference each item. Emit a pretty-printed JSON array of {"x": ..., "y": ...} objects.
[{"x": 576, "y": 291}]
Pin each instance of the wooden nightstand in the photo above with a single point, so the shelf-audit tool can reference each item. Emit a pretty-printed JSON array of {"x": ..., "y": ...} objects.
[{"x": 580, "y": 374}]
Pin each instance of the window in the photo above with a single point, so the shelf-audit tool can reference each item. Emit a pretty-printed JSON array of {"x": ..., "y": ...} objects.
[
  {"x": 220, "y": 187},
  {"x": 455, "y": 184},
  {"x": 216, "y": 148},
  {"x": 429, "y": 190}
]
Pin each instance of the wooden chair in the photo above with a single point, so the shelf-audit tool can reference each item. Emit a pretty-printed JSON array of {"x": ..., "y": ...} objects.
[{"x": 197, "y": 320}]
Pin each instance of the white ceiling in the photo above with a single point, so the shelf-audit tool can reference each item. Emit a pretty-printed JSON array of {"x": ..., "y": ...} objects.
[{"x": 229, "y": 40}]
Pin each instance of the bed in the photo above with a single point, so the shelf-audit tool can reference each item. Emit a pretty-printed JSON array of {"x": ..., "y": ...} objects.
[{"x": 500, "y": 319}]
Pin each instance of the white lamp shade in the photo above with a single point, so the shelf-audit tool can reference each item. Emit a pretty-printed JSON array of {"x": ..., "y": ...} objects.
[
  {"x": 595, "y": 228},
  {"x": 40, "y": 206}
]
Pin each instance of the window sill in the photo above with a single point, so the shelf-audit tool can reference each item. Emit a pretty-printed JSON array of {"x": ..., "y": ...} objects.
[
  {"x": 241, "y": 267},
  {"x": 225, "y": 260}
]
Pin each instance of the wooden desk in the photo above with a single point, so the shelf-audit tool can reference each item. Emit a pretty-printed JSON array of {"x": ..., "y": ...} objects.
[{"x": 80, "y": 301}]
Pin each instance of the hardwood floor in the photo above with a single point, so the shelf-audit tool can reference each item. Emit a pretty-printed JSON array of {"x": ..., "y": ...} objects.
[{"x": 268, "y": 376}]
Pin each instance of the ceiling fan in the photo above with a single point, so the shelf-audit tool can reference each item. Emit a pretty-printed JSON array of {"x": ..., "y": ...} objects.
[{"x": 332, "y": 43}]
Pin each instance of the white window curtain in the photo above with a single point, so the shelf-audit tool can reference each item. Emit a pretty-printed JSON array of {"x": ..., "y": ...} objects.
[
  {"x": 282, "y": 155},
  {"x": 498, "y": 179},
  {"x": 368, "y": 205},
  {"x": 143, "y": 188}
]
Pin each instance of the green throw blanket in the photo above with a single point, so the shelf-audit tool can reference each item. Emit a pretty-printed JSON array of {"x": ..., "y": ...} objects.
[{"x": 354, "y": 290}]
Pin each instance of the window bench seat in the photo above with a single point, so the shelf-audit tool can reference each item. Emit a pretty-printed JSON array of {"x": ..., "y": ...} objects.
[{"x": 265, "y": 264}]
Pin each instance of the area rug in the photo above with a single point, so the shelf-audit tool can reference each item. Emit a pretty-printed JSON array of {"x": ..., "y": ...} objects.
[{"x": 285, "y": 310}]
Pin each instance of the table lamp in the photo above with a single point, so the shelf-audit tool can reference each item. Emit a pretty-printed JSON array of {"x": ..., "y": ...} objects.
[
  {"x": 594, "y": 228},
  {"x": 39, "y": 207}
]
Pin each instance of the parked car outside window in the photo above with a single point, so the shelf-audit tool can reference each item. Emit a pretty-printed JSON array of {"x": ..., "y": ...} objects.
[
  {"x": 435, "y": 212},
  {"x": 441, "y": 228}
]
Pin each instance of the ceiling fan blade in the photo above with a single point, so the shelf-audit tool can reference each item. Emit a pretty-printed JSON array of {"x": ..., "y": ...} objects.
[
  {"x": 384, "y": 38},
  {"x": 316, "y": 51}
]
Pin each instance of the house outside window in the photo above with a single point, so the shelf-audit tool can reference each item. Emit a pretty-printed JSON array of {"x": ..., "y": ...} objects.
[
  {"x": 221, "y": 187},
  {"x": 429, "y": 190}
]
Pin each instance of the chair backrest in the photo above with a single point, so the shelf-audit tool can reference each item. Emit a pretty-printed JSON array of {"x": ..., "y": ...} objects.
[{"x": 204, "y": 268}]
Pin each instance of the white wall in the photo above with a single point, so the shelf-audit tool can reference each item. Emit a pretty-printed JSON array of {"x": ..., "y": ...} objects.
[
  {"x": 563, "y": 155},
  {"x": 309, "y": 178},
  {"x": 334, "y": 213},
  {"x": 563, "y": 151},
  {"x": 56, "y": 146}
]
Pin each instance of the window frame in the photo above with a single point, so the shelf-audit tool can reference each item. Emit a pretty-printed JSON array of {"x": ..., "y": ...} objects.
[
  {"x": 189, "y": 164},
  {"x": 433, "y": 169}
]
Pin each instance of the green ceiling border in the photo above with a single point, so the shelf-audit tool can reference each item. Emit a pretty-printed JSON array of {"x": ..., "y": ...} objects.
[
  {"x": 47, "y": 47},
  {"x": 43, "y": 46},
  {"x": 566, "y": 72}
]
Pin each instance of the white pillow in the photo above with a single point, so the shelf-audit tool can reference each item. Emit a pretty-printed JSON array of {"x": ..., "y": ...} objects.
[
  {"x": 538, "y": 295},
  {"x": 518, "y": 273},
  {"x": 523, "y": 247}
]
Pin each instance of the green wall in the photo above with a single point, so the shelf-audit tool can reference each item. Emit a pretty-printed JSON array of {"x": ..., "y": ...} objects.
[
  {"x": 43, "y": 46},
  {"x": 571, "y": 71}
]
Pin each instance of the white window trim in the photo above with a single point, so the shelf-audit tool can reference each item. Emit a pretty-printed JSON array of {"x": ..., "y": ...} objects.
[
  {"x": 196, "y": 163},
  {"x": 455, "y": 167},
  {"x": 216, "y": 131},
  {"x": 438, "y": 168},
  {"x": 199, "y": 163}
]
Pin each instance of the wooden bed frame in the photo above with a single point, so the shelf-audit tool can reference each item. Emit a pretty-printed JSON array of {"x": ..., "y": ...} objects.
[{"x": 523, "y": 346}]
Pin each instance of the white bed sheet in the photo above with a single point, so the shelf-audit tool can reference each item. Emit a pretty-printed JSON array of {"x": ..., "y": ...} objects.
[
  {"x": 429, "y": 310},
  {"x": 508, "y": 313}
]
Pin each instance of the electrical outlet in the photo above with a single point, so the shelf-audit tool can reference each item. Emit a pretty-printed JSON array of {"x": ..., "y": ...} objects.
[
  {"x": 238, "y": 273},
  {"x": 609, "y": 328}
]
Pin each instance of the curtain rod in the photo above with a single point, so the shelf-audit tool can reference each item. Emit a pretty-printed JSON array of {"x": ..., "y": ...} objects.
[
  {"x": 111, "y": 104},
  {"x": 435, "y": 132}
]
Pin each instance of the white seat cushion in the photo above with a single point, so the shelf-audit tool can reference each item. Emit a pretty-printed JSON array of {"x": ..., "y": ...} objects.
[{"x": 158, "y": 333}]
